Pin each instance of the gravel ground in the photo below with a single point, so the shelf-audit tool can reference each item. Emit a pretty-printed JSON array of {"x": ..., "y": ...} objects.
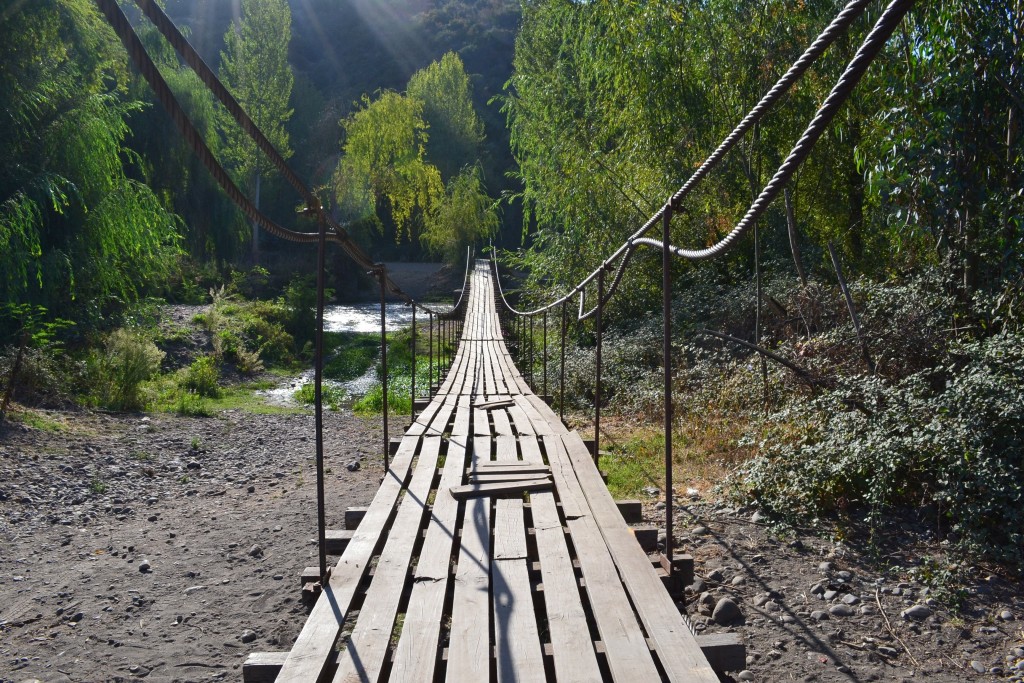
[
  {"x": 168, "y": 548},
  {"x": 161, "y": 546}
]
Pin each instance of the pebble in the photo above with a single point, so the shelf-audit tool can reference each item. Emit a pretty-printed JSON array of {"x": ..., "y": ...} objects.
[
  {"x": 353, "y": 466},
  {"x": 851, "y": 599},
  {"x": 745, "y": 675},
  {"x": 825, "y": 567},
  {"x": 726, "y": 612},
  {"x": 255, "y": 551},
  {"x": 248, "y": 636},
  {"x": 251, "y": 489},
  {"x": 716, "y": 575},
  {"x": 757, "y": 517},
  {"x": 978, "y": 666},
  {"x": 145, "y": 566},
  {"x": 1006, "y": 615},
  {"x": 916, "y": 612},
  {"x": 193, "y": 465},
  {"x": 699, "y": 531},
  {"x": 841, "y": 610}
]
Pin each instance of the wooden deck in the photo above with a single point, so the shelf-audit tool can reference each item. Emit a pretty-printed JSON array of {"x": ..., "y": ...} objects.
[{"x": 492, "y": 551}]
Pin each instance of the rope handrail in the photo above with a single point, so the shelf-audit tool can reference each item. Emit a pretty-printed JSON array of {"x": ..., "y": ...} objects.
[{"x": 868, "y": 50}]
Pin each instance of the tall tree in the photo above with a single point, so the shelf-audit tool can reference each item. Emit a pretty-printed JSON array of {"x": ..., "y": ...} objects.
[
  {"x": 254, "y": 66},
  {"x": 455, "y": 130}
]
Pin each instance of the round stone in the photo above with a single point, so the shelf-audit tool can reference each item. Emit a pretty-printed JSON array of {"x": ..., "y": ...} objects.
[{"x": 726, "y": 612}]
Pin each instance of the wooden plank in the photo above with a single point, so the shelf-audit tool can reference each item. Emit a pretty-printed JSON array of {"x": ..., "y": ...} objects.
[
  {"x": 418, "y": 645},
  {"x": 517, "y": 643},
  {"x": 506, "y": 450},
  {"x": 628, "y": 656},
  {"x": 495, "y": 403},
  {"x": 520, "y": 466},
  {"x": 469, "y": 646},
  {"x": 368, "y": 644},
  {"x": 530, "y": 449},
  {"x": 500, "y": 488},
  {"x": 571, "y": 642},
  {"x": 677, "y": 650},
  {"x": 315, "y": 642},
  {"x": 478, "y": 478},
  {"x": 502, "y": 426}
]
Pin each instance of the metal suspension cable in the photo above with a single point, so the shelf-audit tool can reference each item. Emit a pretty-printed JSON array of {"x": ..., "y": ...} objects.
[
  {"x": 839, "y": 25},
  {"x": 869, "y": 49}
]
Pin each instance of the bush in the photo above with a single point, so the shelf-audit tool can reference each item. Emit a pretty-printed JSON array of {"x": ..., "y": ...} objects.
[
  {"x": 951, "y": 437},
  {"x": 202, "y": 378},
  {"x": 117, "y": 375}
]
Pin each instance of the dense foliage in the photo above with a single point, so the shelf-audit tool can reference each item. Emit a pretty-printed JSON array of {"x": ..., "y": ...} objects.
[{"x": 76, "y": 231}]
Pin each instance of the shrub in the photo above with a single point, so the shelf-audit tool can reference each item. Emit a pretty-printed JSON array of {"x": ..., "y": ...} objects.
[
  {"x": 951, "y": 437},
  {"x": 118, "y": 374},
  {"x": 202, "y": 378}
]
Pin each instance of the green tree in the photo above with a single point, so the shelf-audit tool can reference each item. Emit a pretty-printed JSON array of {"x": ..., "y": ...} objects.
[
  {"x": 254, "y": 66},
  {"x": 455, "y": 130},
  {"x": 383, "y": 177},
  {"x": 76, "y": 233},
  {"x": 465, "y": 215}
]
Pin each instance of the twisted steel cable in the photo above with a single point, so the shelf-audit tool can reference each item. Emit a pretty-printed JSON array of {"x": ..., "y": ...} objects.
[{"x": 839, "y": 25}]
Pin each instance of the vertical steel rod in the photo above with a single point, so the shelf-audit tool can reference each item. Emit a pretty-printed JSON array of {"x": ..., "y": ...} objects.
[
  {"x": 561, "y": 379},
  {"x": 597, "y": 384},
  {"x": 533, "y": 383},
  {"x": 412, "y": 391},
  {"x": 430, "y": 356},
  {"x": 318, "y": 377},
  {"x": 666, "y": 350},
  {"x": 384, "y": 364},
  {"x": 545, "y": 356}
]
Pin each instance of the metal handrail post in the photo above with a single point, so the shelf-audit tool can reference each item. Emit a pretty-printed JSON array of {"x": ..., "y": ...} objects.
[
  {"x": 412, "y": 390},
  {"x": 384, "y": 363},
  {"x": 597, "y": 383},
  {"x": 561, "y": 379},
  {"x": 666, "y": 349},
  {"x": 544, "y": 359},
  {"x": 318, "y": 403}
]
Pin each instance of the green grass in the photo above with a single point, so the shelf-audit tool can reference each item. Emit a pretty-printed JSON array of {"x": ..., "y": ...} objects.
[
  {"x": 332, "y": 395},
  {"x": 634, "y": 465},
  {"x": 349, "y": 355}
]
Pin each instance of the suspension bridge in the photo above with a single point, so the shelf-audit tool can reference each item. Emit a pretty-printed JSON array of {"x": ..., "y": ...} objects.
[{"x": 492, "y": 549}]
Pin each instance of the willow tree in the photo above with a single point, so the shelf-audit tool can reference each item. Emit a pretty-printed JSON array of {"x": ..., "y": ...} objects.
[
  {"x": 383, "y": 179},
  {"x": 254, "y": 66},
  {"x": 456, "y": 132},
  {"x": 77, "y": 234},
  {"x": 465, "y": 215}
]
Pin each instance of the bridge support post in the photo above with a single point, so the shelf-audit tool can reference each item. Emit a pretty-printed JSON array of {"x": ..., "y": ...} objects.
[
  {"x": 318, "y": 376},
  {"x": 561, "y": 380},
  {"x": 597, "y": 383},
  {"x": 666, "y": 349}
]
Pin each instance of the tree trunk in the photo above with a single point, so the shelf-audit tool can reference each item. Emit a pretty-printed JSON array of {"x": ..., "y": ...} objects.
[{"x": 855, "y": 196}]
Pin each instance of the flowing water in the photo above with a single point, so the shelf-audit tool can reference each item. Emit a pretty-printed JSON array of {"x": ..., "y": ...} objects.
[{"x": 363, "y": 318}]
